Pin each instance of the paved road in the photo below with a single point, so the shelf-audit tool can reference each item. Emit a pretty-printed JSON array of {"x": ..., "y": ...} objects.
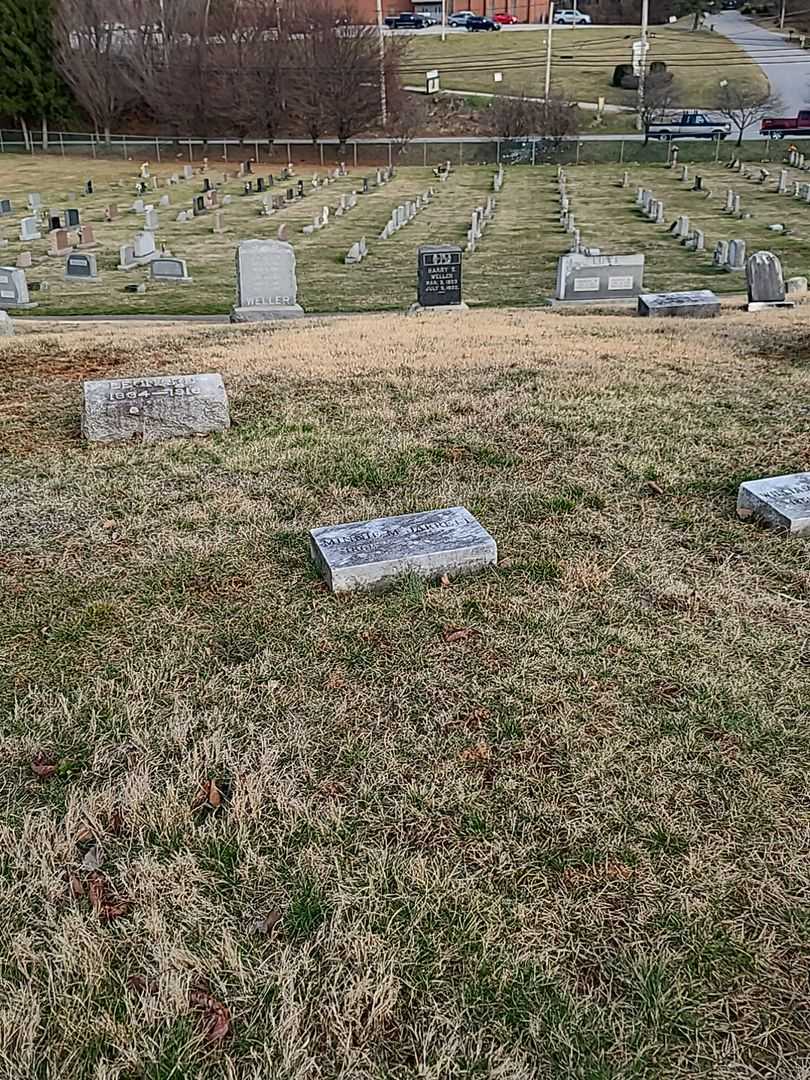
[{"x": 786, "y": 66}]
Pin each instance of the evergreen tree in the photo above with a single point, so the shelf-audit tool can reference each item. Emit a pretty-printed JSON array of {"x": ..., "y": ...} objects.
[{"x": 30, "y": 88}]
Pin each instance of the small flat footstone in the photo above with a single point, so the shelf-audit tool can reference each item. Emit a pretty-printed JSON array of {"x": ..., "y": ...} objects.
[
  {"x": 154, "y": 408},
  {"x": 369, "y": 555},
  {"x": 781, "y": 501},
  {"x": 417, "y": 309},
  {"x": 698, "y": 304}
]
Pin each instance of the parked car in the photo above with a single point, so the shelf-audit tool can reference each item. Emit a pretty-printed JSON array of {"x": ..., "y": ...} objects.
[
  {"x": 689, "y": 125},
  {"x": 407, "y": 20},
  {"x": 503, "y": 18},
  {"x": 569, "y": 17},
  {"x": 480, "y": 22},
  {"x": 777, "y": 127},
  {"x": 459, "y": 18}
]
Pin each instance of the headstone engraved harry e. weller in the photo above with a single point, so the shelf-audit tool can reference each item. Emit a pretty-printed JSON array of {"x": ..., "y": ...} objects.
[{"x": 439, "y": 270}]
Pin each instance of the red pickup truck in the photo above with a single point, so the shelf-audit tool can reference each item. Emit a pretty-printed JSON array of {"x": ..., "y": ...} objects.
[{"x": 779, "y": 127}]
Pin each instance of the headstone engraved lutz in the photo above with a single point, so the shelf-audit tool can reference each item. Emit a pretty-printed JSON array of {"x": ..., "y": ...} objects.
[
  {"x": 439, "y": 276},
  {"x": 599, "y": 277},
  {"x": 154, "y": 408},
  {"x": 369, "y": 555},
  {"x": 266, "y": 284},
  {"x": 698, "y": 304},
  {"x": 782, "y": 501}
]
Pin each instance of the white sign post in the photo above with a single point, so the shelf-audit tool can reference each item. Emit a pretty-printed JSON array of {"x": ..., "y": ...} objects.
[{"x": 432, "y": 82}]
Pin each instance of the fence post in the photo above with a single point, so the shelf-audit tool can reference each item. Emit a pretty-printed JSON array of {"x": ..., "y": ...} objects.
[
  {"x": 355, "y": 154},
  {"x": 289, "y": 153},
  {"x": 497, "y": 151},
  {"x": 256, "y": 147},
  {"x": 157, "y": 149},
  {"x": 461, "y": 153},
  {"x": 2, "y": 144},
  {"x": 579, "y": 144},
  {"x": 390, "y": 158},
  {"x": 621, "y": 153},
  {"x": 717, "y": 149},
  {"x": 123, "y": 144},
  {"x": 320, "y": 150},
  {"x": 534, "y": 151},
  {"x": 190, "y": 153},
  {"x": 93, "y": 145}
]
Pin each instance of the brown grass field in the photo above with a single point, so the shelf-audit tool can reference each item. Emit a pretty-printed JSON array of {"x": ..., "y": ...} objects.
[{"x": 549, "y": 821}]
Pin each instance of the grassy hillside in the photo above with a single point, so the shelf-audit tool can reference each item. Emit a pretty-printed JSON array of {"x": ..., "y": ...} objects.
[{"x": 548, "y": 821}]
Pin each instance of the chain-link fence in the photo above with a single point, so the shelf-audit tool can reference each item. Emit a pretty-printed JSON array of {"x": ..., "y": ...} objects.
[{"x": 372, "y": 152}]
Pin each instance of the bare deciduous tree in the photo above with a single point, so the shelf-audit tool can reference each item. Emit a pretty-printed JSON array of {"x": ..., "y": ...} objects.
[
  {"x": 744, "y": 104},
  {"x": 661, "y": 96},
  {"x": 92, "y": 41},
  {"x": 520, "y": 116}
]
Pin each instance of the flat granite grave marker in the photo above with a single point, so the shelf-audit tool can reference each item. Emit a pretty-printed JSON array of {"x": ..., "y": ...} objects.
[
  {"x": 782, "y": 501},
  {"x": 698, "y": 304},
  {"x": 599, "y": 277},
  {"x": 266, "y": 283},
  {"x": 369, "y": 555},
  {"x": 154, "y": 408},
  {"x": 439, "y": 276}
]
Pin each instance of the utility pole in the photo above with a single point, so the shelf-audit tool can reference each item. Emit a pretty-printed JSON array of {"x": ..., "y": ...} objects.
[
  {"x": 383, "y": 103},
  {"x": 642, "y": 69},
  {"x": 548, "y": 53},
  {"x": 444, "y": 20},
  {"x": 782, "y": 15}
]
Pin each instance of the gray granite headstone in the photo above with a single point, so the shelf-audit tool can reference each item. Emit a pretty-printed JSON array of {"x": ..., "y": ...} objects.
[
  {"x": 439, "y": 275},
  {"x": 599, "y": 277},
  {"x": 368, "y": 555},
  {"x": 783, "y": 501},
  {"x": 267, "y": 287},
  {"x": 81, "y": 267},
  {"x": 154, "y": 408},
  {"x": 13, "y": 288},
  {"x": 766, "y": 285},
  {"x": 699, "y": 304}
]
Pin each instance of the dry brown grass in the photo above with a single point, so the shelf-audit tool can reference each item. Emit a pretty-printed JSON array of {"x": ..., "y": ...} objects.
[{"x": 571, "y": 844}]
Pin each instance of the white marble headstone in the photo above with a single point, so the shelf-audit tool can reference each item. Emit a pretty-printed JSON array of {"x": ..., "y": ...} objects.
[{"x": 782, "y": 501}]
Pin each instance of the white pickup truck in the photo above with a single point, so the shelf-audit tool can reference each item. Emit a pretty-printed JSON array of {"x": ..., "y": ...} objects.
[{"x": 689, "y": 125}]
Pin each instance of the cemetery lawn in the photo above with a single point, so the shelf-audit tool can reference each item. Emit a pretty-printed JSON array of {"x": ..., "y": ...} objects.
[
  {"x": 547, "y": 821},
  {"x": 583, "y": 59},
  {"x": 514, "y": 265}
]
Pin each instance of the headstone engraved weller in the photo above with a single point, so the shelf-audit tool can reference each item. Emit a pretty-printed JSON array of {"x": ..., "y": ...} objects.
[
  {"x": 267, "y": 286},
  {"x": 781, "y": 501},
  {"x": 154, "y": 408},
  {"x": 370, "y": 555}
]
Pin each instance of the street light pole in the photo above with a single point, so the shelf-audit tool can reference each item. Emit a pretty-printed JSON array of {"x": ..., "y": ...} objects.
[
  {"x": 548, "y": 52},
  {"x": 642, "y": 69},
  {"x": 383, "y": 103}
]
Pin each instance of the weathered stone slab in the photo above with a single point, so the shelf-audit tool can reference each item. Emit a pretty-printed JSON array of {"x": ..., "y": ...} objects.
[
  {"x": 599, "y": 277},
  {"x": 782, "y": 501},
  {"x": 154, "y": 407},
  {"x": 369, "y": 555},
  {"x": 766, "y": 286},
  {"x": 699, "y": 304}
]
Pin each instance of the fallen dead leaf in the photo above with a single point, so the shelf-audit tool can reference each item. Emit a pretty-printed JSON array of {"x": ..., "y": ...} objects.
[
  {"x": 479, "y": 754},
  {"x": 110, "y": 523},
  {"x": 106, "y": 906},
  {"x": 445, "y": 581},
  {"x": 44, "y": 765},
  {"x": 452, "y": 634},
  {"x": 76, "y": 887},
  {"x": 653, "y": 488},
  {"x": 84, "y": 835},
  {"x": 141, "y": 985},
  {"x": 214, "y": 1016},
  {"x": 266, "y": 924},
  {"x": 115, "y": 823}
]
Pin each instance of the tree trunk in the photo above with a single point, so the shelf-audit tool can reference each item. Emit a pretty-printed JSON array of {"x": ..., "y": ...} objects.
[
  {"x": 107, "y": 136},
  {"x": 44, "y": 132},
  {"x": 25, "y": 133},
  {"x": 739, "y": 138}
]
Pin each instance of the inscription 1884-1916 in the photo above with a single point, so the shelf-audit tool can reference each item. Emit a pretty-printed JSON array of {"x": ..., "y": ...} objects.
[
  {"x": 439, "y": 268},
  {"x": 154, "y": 408}
]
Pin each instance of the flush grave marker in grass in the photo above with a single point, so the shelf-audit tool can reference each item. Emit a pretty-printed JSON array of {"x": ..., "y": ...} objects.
[
  {"x": 698, "y": 304},
  {"x": 155, "y": 408},
  {"x": 369, "y": 555},
  {"x": 781, "y": 501}
]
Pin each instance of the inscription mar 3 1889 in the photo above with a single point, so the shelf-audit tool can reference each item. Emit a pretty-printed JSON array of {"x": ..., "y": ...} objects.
[{"x": 154, "y": 407}]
